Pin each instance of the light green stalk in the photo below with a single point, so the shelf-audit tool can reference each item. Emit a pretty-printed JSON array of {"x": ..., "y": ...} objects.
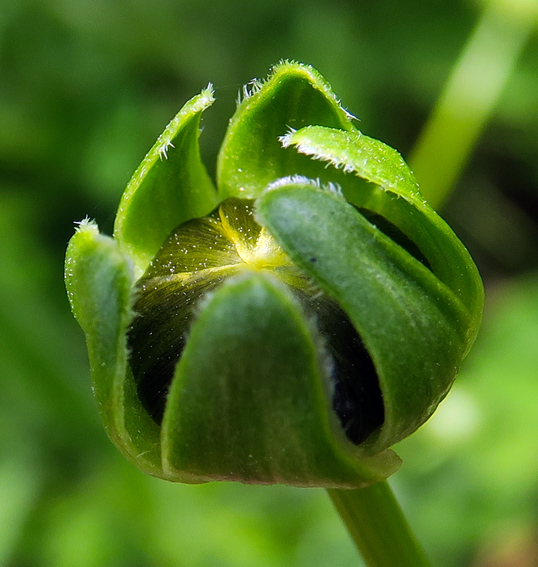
[
  {"x": 470, "y": 95},
  {"x": 378, "y": 527}
]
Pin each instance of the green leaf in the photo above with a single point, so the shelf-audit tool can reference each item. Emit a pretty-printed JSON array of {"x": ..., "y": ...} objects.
[
  {"x": 246, "y": 405},
  {"x": 251, "y": 155},
  {"x": 99, "y": 283},
  {"x": 393, "y": 193},
  {"x": 414, "y": 327},
  {"x": 170, "y": 186}
]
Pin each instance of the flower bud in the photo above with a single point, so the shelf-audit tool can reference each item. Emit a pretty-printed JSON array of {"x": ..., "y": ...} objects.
[{"x": 286, "y": 326}]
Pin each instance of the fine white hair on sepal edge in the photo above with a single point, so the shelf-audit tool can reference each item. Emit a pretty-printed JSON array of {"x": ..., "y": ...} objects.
[
  {"x": 294, "y": 180},
  {"x": 251, "y": 88},
  {"x": 86, "y": 220},
  {"x": 333, "y": 188},
  {"x": 163, "y": 150},
  {"x": 164, "y": 141},
  {"x": 330, "y": 187},
  {"x": 208, "y": 94},
  {"x": 86, "y": 224},
  {"x": 285, "y": 140},
  {"x": 304, "y": 148},
  {"x": 348, "y": 114},
  {"x": 312, "y": 151}
]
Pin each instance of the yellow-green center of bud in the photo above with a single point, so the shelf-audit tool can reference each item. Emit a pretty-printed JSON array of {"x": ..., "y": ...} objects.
[{"x": 196, "y": 258}]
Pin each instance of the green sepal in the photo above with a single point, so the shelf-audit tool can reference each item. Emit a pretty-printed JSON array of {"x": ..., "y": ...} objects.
[
  {"x": 99, "y": 280},
  {"x": 248, "y": 406},
  {"x": 354, "y": 152},
  {"x": 170, "y": 186},
  {"x": 251, "y": 155},
  {"x": 414, "y": 327},
  {"x": 392, "y": 192}
]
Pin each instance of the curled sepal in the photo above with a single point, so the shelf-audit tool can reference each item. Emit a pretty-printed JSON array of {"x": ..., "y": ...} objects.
[
  {"x": 170, "y": 186},
  {"x": 392, "y": 193},
  {"x": 354, "y": 152},
  {"x": 258, "y": 410},
  {"x": 99, "y": 281},
  {"x": 414, "y": 327},
  {"x": 251, "y": 155}
]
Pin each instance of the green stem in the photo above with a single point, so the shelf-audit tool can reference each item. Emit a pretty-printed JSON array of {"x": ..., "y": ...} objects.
[
  {"x": 470, "y": 95},
  {"x": 378, "y": 527}
]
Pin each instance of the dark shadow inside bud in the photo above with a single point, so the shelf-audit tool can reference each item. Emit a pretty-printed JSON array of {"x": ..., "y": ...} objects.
[
  {"x": 154, "y": 383},
  {"x": 356, "y": 394},
  {"x": 157, "y": 338},
  {"x": 394, "y": 233}
]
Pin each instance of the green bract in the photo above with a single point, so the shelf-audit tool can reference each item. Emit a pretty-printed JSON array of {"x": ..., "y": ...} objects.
[{"x": 288, "y": 325}]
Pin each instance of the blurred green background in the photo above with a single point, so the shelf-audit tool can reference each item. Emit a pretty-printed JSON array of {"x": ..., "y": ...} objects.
[{"x": 86, "y": 86}]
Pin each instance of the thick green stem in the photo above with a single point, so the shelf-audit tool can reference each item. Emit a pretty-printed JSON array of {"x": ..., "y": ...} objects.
[
  {"x": 470, "y": 95},
  {"x": 378, "y": 527}
]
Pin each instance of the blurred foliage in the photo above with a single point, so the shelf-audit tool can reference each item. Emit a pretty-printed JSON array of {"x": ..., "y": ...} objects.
[{"x": 85, "y": 88}]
